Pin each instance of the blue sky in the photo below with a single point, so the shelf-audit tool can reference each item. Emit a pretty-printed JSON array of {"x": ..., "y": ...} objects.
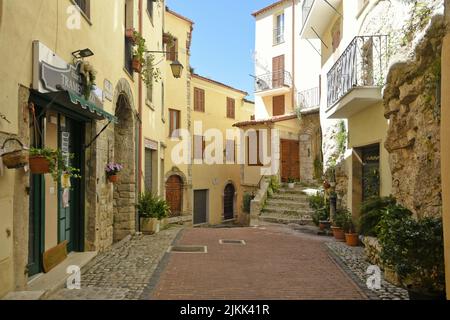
[{"x": 223, "y": 39}]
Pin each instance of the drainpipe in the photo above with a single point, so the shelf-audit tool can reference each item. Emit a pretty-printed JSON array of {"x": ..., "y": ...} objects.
[
  {"x": 140, "y": 109},
  {"x": 293, "y": 54},
  {"x": 139, "y": 182}
]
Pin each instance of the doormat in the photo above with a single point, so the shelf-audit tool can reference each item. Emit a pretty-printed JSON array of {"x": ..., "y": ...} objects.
[{"x": 55, "y": 256}]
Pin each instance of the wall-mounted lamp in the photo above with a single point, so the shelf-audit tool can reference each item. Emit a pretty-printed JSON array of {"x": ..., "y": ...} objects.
[
  {"x": 84, "y": 53},
  {"x": 176, "y": 66}
]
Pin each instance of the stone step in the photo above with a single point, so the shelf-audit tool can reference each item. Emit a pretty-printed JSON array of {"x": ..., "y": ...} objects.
[
  {"x": 300, "y": 203},
  {"x": 290, "y": 196},
  {"x": 297, "y": 190},
  {"x": 286, "y": 220},
  {"x": 287, "y": 211}
]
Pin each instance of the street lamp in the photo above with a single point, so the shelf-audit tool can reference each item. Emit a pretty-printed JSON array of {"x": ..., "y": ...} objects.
[{"x": 176, "y": 66}]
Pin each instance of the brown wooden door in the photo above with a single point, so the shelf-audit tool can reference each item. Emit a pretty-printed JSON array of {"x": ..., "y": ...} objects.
[
  {"x": 174, "y": 195},
  {"x": 228, "y": 202},
  {"x": 278, "y": 71},
  {"x": 290, "y": 160},
  {"x": 278, "y": 106}
]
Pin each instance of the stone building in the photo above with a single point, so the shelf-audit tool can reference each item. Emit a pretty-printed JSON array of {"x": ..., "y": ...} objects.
[
  {"x": 47, "y": 103},
  {"x": 361, "y": 40},
  {"x": 445, "y": 145}
]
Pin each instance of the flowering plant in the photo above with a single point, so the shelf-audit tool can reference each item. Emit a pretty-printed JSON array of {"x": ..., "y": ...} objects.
[{"x": 113, "y": 168}]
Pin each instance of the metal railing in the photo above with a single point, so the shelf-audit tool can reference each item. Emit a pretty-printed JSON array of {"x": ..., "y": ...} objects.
[
  {"x": 306, "y": 9},
  {"x": 363, "y": 63},
  {"x": 308, "y": 99},
  {"x": 278, "y": 35},
  {"x": 273, "y": 80}
]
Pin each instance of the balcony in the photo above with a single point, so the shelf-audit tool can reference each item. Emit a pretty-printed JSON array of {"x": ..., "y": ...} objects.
[
  {"x": 316, "y": 15},
  {"x": 273, "y": 83},
  {"x": 309, "y": 99},
  {"x": 356, "y": 79},
  {"x": 278, "y": 36}
]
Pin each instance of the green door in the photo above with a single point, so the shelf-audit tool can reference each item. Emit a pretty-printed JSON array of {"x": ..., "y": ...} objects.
[{"x": 70, "y": 199}]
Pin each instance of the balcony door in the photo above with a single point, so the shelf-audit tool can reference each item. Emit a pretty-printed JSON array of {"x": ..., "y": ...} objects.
[{"x": 278, "y": 71}]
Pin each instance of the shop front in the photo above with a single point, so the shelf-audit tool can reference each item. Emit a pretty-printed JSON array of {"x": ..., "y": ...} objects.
[{"x": 61, "y": 111}]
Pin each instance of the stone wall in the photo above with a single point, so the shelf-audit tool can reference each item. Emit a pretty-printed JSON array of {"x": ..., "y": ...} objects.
[
  {"x": 309, "y": 143},
  {"x": 413, "y": 140}
]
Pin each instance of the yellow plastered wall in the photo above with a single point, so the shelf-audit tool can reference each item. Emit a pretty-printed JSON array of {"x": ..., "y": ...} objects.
[
  {"x": 176, "y": 95},
  {"x": 153, "y": 127},
  {"x": 215, "y": 177},
  {"x": 445, "y": 155},
  {"x": 359, "y": 135}
]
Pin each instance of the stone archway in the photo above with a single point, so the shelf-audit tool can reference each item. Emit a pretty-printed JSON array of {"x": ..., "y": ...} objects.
[{"x": 125, "y": 154}]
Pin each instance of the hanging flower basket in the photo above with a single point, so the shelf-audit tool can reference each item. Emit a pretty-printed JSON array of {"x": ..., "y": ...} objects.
[
  {"x": 15, "y": 159},
  {"x": 113, "y": 179},
  {"x": 112, "y": 170},
  {"x": 39, "y": 165}
]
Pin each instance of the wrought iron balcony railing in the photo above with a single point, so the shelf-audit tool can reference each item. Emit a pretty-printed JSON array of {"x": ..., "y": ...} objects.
[
  {"x": 273, "y": 80},
  {"x": 308, "y": 99},
  {"x": 363, "y": 63},
  {"x": 278, "y": 35},
  {"x": 306, "y": 9}
]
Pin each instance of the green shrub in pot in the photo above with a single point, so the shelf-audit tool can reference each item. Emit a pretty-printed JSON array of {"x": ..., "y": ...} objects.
[
  {"x": 413, "y": 248},
  {"x": 371, "y": 213}
]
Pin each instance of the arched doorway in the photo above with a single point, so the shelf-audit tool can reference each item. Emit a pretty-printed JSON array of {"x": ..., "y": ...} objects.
[
  {"x": 228, "y": 202},
  {"x": 174, "y": 195},
  {"x": 124, "y": 153}
]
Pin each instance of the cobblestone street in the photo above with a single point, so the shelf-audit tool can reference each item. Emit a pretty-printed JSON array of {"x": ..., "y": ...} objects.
[{"x": 122, "y": 272}]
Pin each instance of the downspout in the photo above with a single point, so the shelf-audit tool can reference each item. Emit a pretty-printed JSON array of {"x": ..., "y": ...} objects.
[
  {"x": 139, "y": 182},
  {"x": 293, "y": 55}
]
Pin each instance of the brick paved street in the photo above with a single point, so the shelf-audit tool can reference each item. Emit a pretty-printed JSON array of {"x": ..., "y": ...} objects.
[{"x": 275, "y": 263}]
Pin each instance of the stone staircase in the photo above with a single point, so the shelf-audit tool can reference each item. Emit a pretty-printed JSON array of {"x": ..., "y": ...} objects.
[{"x": 288, "y": 206}]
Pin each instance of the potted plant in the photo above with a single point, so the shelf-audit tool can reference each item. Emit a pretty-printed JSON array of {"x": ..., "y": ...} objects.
[
  {"x": 339, "y": 224},
  {"x": 152, "y": 210},
  {"x": 321, "y": 209},
  {"x": 414, "y": 249},
  {"x": 291, "y": 183},
  {"x": 46, "y": 160},
  {"x": 351, "y": 236},
  {"x": 130, "y": 34},
  {"x": 139, "y": 52},
  {"x": 112, "y": 169}
]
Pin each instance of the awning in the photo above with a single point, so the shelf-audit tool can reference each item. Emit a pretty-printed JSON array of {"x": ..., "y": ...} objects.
[{"x": 73, "y": 104}]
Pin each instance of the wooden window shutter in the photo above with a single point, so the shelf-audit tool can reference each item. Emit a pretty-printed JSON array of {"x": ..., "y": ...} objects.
[
  {"x": 199, "y": 100},
  {"x": 278, "y": 108},
  {"x": 199, "y": 147},
  {"x": 230, "y": 108}
]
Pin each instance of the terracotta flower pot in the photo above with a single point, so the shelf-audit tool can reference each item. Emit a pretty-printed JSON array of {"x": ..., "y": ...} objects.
[
  {"x": 137, "y": 66},
  {"x": 113, "y": 179},
  {"x": 338, "y": 233},
  {"x": 39, "y": 165},
  {"x": 129, "y": 34},
  {"x": 324, "y": 225},
  {"x": 352, "y": 239}
]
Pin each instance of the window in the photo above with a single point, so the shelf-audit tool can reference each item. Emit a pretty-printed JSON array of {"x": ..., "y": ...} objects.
[
  {"x": 150, "y": 9},
  {"x": 230, "y": 151},
  {"x": 174, "y": 123},
  {"x": 85, "y": 7},
  {"x": 149, "y": 157},
  {"x": 231, "y": 104},
  {"x": 150, "y": 88},
  {"x": 278, "y": 108},
  {"x": 162, "y": 102},
  {"x": 199, "y": 100},
  {"x": 172, "y": 50},
  {"x": 254, "y": 149},
  {"x": 199, "y": 147},
  {"x": 278, "y": 31},
  {"x": 128, "y": 41}
]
